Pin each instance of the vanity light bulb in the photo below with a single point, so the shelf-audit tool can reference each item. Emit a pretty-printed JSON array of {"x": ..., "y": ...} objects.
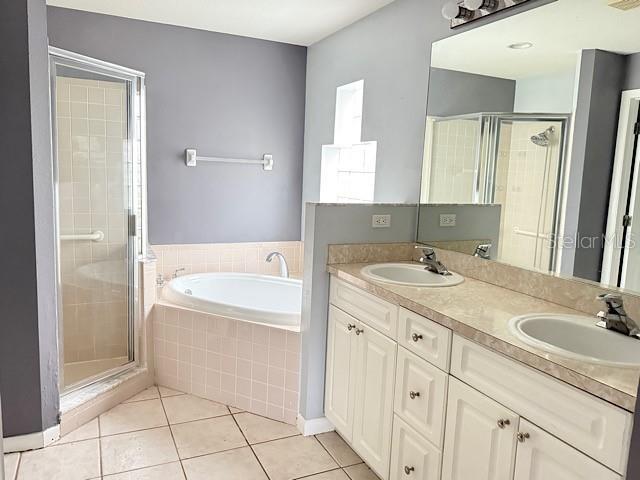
[
  {"x": 452, "y": 10},
  {"x": 487, "y": 5}
]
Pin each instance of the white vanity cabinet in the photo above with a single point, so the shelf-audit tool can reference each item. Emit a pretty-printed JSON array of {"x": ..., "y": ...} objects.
[
  {"x": 359, "y": 387},
  {"x": 416, "y": 401}
]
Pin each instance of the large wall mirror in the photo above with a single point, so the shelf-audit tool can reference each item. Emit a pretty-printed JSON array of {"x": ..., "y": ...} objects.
[{"x": 531, "y": 142}]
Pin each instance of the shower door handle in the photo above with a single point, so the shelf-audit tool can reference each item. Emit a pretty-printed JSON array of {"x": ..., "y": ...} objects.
[{"x": 133, "y": 225}]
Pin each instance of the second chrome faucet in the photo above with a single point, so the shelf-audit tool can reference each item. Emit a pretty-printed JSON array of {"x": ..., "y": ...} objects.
[
  {"x": 431, "y": 262},
  {"x": 284, "y": 268}
]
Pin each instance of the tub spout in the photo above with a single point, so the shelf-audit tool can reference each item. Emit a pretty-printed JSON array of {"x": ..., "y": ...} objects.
[{"x": 284, "y": 268}]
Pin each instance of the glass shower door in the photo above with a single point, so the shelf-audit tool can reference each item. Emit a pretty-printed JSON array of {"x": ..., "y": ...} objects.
[{"x": 94, "y": 121}]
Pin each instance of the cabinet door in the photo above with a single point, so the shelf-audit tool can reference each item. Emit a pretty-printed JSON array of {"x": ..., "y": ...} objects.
[
  {"x": 480, "y": 436},
  {"x": 340, "y": 380},
  {"x": 541, "y": 456},
  {"x": 373, "y": 416}
]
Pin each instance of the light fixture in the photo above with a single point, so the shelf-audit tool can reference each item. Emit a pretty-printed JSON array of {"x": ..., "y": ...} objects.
[
  {"x": 487, "y": 5},
  {"x": 521, "y": 46},
  {"x": 452, "y": 10}
]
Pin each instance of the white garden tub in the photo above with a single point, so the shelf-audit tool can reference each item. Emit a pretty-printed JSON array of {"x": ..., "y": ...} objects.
[{"x": 272, "y": 301}]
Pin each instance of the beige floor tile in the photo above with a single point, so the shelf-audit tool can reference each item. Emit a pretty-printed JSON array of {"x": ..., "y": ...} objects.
[
  {"x": 235, "y": 410},
  {"x": 293, "y": 457},
  {"x": 361, "y": 472},
  {"x": 258, "y": 429},
  {"x": 129, "y": 451},
  {"x": 85, "y": 432},
  {"x": 187, "y": 408},
  {"x": 207, "y": 436},
  {"x": 168, "y": 392},
  {"x": 169, "y": 471},
  {"x": 338, "y": 449},
  {"x": 74, "y": 461},
  {"x": 11, "y": 465},
  {"x": 239, "y": 464},
  {"x": 332, "y": 475},
  {"x": 150, "y": 393},
  {"x": 129, "y": 417}
]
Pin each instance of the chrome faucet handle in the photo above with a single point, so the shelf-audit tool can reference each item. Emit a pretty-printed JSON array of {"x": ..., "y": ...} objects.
[
  {"x": 614, "y": 302},
  {"x": 178, "y": 271},
  {"x": 483, "y": 251}
]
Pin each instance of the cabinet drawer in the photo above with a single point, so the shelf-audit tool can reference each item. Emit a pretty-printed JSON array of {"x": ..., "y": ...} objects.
[
  {"x": 375, "y": 312},
  {"x": 421, "y": 395},
  {"x": 412, "y": 456},
  {"x": 591, "y": 425},
  {"x": 425, "y": 338}
]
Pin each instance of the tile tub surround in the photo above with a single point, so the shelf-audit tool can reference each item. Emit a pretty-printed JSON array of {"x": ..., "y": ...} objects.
[
  {"x": 166, "y": 434},
  {"x": 480, "y": 312},
  {"x": 227, "y": 257},
  {"x": 249, "y": 366}
]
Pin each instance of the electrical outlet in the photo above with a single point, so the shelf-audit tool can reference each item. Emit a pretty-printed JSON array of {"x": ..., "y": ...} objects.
[
  {"x": 381, "y": 221},
  {"x": 448, "y": 220}
]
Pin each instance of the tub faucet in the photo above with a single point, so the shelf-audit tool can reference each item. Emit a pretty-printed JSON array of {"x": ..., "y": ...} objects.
[
  {"x": 615, "y": 317},
  {"x": 177, "y": 272},
  {"x": 284, "y": 268},
  {"x": 431, "y": 262}
]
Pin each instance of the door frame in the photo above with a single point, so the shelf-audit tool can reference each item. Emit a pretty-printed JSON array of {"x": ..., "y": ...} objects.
[
  {"x": 136, "y": 157},
  {"x": 612, "y": 256}
]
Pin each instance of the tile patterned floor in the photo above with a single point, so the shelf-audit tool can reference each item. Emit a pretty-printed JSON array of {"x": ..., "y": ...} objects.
[{"x": 162, "y": 434}]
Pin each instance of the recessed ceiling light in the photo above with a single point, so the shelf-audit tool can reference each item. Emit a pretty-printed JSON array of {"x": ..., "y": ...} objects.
[{"x": 521, "y": 45}]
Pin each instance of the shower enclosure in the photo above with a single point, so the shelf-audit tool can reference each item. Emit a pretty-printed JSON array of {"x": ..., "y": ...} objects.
[
  {"x": 98, "y": 122},
  {"x": 513, "y": 160}
]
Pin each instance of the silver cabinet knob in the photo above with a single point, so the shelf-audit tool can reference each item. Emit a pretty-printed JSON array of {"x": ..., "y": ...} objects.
[
  {"x": 413, "y": 395},
  {"x": 504, "y": 423},
  {"x": 359, "y": 331},
  {"x": 408, "y": 470},
  {"x": 416, "y": 337},
  {"x": 350, "y": 327},
  {"x": 523, "y": 437}
]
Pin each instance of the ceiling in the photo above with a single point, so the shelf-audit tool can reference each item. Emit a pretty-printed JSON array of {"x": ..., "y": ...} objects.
[
  {"x": 300, "y": 22},
  {"x": 559, "y": 31}
]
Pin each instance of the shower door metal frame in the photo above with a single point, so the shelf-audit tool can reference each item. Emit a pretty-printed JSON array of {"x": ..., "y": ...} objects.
[
  {"x": 136, "y": 155},
  {"x": 565, "y": 120}
]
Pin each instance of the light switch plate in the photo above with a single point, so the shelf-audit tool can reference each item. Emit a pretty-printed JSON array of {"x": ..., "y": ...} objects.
[
  {"x": 448, "y": 220},
  {"x": 381, "y": 221}
]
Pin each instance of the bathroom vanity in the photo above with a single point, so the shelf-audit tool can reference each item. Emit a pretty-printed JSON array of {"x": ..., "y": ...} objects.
[{"x": 425, "y": 399}]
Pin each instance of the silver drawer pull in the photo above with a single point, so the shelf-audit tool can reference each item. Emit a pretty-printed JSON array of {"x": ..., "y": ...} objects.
[
  {"x": 413, "y": 395},
  {"x": 408, "y": 470},
  {"x": 359, "y": 331},
  {"x": 504, "y": 423},
  {"x": 416, "y": 337},
  {"x": 523, "y": 437},
  {"x": 350, "y": 327}
]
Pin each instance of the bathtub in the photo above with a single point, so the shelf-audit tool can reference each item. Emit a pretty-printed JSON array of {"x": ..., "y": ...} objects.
[{"x": 272, "y": 301}]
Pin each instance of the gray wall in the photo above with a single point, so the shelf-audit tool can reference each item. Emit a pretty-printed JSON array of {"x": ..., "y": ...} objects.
[
  {"x": 602, "y": 76},
  {"x": 28, "y": 322},
  {"x": 456, "y": 93},
  {"x": 632, "y": 79},
  {"x": 391, "y": 51},
  {"x": 473, "y": 222},
  {"x": 222, "y": 94},
  {"x": 325, "y": 225}
]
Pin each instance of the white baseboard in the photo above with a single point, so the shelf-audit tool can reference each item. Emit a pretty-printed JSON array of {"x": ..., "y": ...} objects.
[
  {"x": 313, "y": 426},
  {"x": 32, "y": 441}
]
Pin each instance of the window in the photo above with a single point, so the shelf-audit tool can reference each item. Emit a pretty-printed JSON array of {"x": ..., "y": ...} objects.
[{"x": 348, "y": 169}]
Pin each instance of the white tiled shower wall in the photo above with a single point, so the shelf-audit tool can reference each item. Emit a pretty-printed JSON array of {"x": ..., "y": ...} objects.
[{"x": 91, "y": 122}]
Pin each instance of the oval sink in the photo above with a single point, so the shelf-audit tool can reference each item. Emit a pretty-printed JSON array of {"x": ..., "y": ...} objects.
[
  {"x": 577, "y": 337},
  {"x": 409, "y": 275}
]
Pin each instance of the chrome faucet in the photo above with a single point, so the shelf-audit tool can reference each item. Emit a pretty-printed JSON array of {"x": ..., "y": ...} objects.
[
  {"x": 431, "y": 262},
  {"x": 177, "y": 272},
  {"x": 483, "y": 251},
  {"x": 615, "y": 317},
  {"x": 284, "y": 268}
]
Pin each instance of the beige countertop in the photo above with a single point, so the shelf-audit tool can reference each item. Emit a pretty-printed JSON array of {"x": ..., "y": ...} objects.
[{"x": 481, "y": 311}]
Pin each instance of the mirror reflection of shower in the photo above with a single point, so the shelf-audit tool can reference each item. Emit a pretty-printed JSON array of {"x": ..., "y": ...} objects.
[{"x": 510, "y": 159}]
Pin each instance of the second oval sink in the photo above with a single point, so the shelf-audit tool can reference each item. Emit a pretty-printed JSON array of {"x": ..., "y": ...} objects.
[
  {"x": 409, "y": 275},
  {"x": 577, "y": 337}
]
